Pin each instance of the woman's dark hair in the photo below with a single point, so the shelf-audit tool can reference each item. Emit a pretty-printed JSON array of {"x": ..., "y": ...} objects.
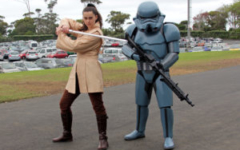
[{"x": 92, "y": 8}]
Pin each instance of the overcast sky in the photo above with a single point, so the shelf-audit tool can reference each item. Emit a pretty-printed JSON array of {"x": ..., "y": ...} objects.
[{"x": 175, "y": 10}]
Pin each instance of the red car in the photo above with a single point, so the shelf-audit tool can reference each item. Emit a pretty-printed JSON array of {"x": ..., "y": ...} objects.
[
  {"x": 23, "y": 54},
  {"x": 115, "y": 44},
  {"x": 58, "y": 54}
]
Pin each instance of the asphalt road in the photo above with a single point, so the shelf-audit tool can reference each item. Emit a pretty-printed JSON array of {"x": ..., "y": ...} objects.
[{"x": 214, "y": 123}]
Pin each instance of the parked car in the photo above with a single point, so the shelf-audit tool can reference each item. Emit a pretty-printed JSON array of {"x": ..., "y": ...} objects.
[
  {"x": 66, "y": 62},
  {"x": 44, "y": 52},
  {"x": 27, "y": 66},
  {"x": 112, "y": 51},
  {"x": 197, "y": 49},
  {"x": 1, "y": 56},
  {"x": 107, "y": 44},
  {"x": 5, "y": 53},
  {"x": 31, "y": 55},
  {"x": 6, "y": 67},
  {"x": 225, "y": 47},
  {"x": 115, "y": 44},
  {"x": 234, "y": 47},
  {"x": 70, "y": 53},
  {"x": 24, "y": 47},
  {"x": 14, "y": 48},
  {"x": 217, "y": 48},
  {"x": 58, "y": 54},
  {"x": 33, "y": 44},
  {"x": 201, "y": 43},
  {"x": 14, "y": 56},
  {"x": 23, "y": 54},
  {"x": 217, "y": 40},
  {"x": 73, "y": 58},
  {"x": 206, "y": 48},
  {"x": 182, "y": 43},
  {"x": 106, "y": 58},
  {"x": 48, "y": 63},
  {"x": 182, "y": 50},
  {"x": 121, "y": 57}
]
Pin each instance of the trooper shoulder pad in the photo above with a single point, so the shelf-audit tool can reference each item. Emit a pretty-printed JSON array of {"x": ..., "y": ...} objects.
[
  {"x": 130, "y": 30},
  {"x": 171, "y": 32}
]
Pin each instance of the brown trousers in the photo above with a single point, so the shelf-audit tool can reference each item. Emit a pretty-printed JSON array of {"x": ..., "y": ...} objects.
[{"x": 68, "y": 98}]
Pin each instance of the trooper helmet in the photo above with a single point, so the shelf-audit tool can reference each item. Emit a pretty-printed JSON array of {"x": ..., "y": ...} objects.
[{"x": 149, "y": 18}]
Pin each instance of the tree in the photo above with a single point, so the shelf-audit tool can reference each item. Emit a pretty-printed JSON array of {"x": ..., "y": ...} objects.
[
  {"x": 216, "y": 20},
  {"x": 85, "y": 2},
  {"x": 51, "y": 4},
  {"x": 39, "y": 22},
  {"x": 3, "y": 26},
  {"x": 49, "y": 19},
  {"x": 24, "y": 26},
  {"x": 200, "y": 21},
  {"x": 27, "y": 3},
  {"x": 117, "y": 19},
  {"x": 28, "y": 14},
  {"x": 183, "y": 25},
  {"x": 234, "y": 14}
]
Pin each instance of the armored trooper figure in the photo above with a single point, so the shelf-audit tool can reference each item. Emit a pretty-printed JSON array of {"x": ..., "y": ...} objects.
[{"x": 161, "y": 41}]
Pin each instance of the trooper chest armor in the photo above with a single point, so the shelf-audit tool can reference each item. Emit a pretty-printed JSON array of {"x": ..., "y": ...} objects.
[{"x": 153, "y": 43}]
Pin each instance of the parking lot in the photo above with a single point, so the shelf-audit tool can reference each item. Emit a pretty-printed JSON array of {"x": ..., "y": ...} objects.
[
  {"x": 46, "y": 56},
  {"x": 213, "y": 123}
]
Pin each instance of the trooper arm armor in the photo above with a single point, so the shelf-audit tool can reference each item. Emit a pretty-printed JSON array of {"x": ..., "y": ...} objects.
[
  {"x": 127, "y": 49},
  {"x": 172, "y": 36}
]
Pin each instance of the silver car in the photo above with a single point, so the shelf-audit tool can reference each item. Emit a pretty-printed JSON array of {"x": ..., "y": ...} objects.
[
  {"x": 49, "y": 63},
  {"x": 1, "y": 56},
  {"x": 13, "y": 56},
  {"x": 6, "y": 67},
  {"x": 31, "y": 55},
  {"x": 27, "y": 66}
]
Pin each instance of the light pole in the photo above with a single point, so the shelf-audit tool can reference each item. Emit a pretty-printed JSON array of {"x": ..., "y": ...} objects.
[{"x": 189, "y": 24}]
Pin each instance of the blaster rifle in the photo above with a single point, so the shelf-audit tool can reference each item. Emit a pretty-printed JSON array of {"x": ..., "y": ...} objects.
[
  {"x": 150, "y": 59},
  {"x": 158, "y": 67}
]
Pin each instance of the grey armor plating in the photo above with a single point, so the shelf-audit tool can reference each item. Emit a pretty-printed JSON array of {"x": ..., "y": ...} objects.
[{"x": 161, "y": 41}]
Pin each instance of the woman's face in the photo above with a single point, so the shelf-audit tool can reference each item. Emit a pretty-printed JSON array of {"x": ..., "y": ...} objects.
[{"x": 89, "y": 19}]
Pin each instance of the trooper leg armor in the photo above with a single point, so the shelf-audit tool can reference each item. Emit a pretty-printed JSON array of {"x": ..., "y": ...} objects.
[
  {"x": 165, "y": 101},
  {"x": 167, "y": 124},
  {"x": 143, "y": 96}
]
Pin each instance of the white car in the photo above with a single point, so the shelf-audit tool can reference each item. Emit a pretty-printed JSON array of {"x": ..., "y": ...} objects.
[
  {"x": 27, "y": 66},
  {"x": 44, "y": 52},
  {"x": 31, "y": 55},
  {"x": 112, "y": 51},
  {"x": 216, "y": 48},
  {"x": 217, "y": 40},
  {"x": 6, "y": 67},
  {"x": 122, "y": 57},
  {"x": 73, "y": 57},
  {"x": 197, "y": 49}
]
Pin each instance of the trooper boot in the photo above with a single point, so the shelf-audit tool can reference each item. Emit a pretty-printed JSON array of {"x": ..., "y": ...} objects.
[
  {"x": 167, "y": 123},
  {"x": 102, "y": 130},
  {"x": 67, "y": 126},
  {"x": 142, "y": 115}
]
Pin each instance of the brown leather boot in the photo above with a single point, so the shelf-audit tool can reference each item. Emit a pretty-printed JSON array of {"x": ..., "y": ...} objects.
[
  {"x": 102, "y": 127},
  {"x": 67, "y": 126}
]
